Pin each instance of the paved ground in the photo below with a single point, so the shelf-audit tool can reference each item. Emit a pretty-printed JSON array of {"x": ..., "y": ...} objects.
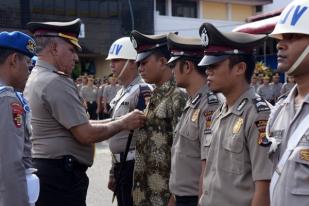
[{"x": 98, "y": 194}]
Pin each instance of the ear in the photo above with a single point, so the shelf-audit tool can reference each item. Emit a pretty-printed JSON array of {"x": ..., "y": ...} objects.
[
  {"x": 188, "y": 67},
  {"x": 162, "y": 62},
  {"x": 241, "y": 68},
  {"x": 12, "y": 60},
  {"x": 53, "y": 48}
]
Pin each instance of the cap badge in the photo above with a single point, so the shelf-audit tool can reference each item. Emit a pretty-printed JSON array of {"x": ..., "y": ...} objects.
[
  {"x": 134, "y": 42},
  {"x": 31, "y": 46},
  {"x": 204, "y": 38}
]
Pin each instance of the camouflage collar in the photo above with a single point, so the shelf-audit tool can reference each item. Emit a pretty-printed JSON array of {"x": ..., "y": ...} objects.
[{"x": 166, "y": 88}]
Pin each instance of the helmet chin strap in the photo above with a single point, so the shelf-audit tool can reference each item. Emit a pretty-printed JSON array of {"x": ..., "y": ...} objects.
[
  {"x": 123, "y": 68},
  {"x": 299, "y": 60}
]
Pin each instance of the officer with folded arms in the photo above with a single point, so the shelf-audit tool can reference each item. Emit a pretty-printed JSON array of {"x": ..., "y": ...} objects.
[
  {"x": 63, "y": 136},
  {"x": 16, "y": 51}
]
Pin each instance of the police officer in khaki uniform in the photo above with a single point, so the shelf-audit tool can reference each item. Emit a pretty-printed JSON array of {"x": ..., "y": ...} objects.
[
  {"x": 16, "y": 49},
  {"x": 89, "y": 92},
  {"x": 289, "y": 150},
  {"x": 63, "y": 136},
  {"x": 188, "y": 155},
  {"x": 237, "y": 171},
  {"x": 266, "y": 91},
  {"x": 132, "y": 95}
]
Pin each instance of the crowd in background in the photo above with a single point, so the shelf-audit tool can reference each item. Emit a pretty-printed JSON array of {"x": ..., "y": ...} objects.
[{"x": 97, "y": 94}]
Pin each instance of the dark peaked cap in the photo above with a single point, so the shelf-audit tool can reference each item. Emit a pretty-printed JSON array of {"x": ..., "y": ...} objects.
[
  {"x": 146, "y": 44},
  {"x": 220, "y": 45},
  {"x": 184, "y": 47},
  {"x": 66, "y": 30}
]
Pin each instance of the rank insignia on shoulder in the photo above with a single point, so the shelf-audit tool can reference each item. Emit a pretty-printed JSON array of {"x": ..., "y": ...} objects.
[
  {"x": 238, "y": 125},
  {"x": 261, "y": 105},
  {"x": 61, "y": 73},
  {"x": 212, "y": 98},
  {"x": 304, "y": 154},
  {"x": 195, "y": 115},
  {"x": 262, "y": 139},
  {"x": 208, "y": 122},
  {"x": 195, "y": 100},
  {"x": 17, "y": 111},
  {"x": 242, "y": 104}
]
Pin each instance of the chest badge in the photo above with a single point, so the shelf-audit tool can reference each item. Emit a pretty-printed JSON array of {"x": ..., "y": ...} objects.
[
  {"x": 238, "y": 125},
  {"x": 195, "y": 115},
  {"x": 304, "y": 154}
]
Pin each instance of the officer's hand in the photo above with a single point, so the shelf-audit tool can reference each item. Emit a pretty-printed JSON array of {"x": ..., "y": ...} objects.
[
  {"x": 111, "y": 183},
  {"x": 134, "y": 120},
  {"x": 172, "y": 201}
]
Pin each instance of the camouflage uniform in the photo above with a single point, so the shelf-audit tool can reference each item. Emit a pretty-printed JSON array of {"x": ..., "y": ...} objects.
[{"x": 153, "y": 146}]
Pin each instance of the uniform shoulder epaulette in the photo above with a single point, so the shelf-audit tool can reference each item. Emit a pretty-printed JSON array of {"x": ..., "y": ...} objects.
[
  {"x": 145, "y": 91},
  {"x": 5, "y": 91},
  {"x": 260, "y": 104},
  {"x": 212, "y": 98},
  {"x": 283, "y": 96},
  {"x": 61, "y": 73}
]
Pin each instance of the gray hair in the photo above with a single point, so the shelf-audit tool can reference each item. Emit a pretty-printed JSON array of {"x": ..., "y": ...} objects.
[{"x": 43, "y": 41}]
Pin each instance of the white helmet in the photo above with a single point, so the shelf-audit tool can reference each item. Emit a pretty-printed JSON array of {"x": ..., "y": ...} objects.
[
  {"x": 122, "y": 49},
  {"x": 293, "y": 19}
]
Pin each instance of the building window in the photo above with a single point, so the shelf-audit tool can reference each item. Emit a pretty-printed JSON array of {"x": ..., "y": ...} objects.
[
  {"x": 184, "y": 8},
  {"x": 59, "y": 7},
  {"x": 161, "y": 7},
  {"x": 258, "y": 9},
  {"x": 83, "y": 8}
]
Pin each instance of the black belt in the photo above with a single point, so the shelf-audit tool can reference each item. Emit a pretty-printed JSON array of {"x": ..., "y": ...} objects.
[
  {"x": 186, "y": 199},
  {"x": 68, "y": 162}
]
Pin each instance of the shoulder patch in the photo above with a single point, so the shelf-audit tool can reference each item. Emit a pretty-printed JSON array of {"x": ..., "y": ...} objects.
[
  {"x": 242, "y": 104},
  {"x": 262, "y": 139},
  {"x": 208, "y": 121},
  {"x": 212, "y": 98},
  {"x": 17, "y": 112},
  {"x": 261, "y": 105},
  {"x": 61, "y": 73}
]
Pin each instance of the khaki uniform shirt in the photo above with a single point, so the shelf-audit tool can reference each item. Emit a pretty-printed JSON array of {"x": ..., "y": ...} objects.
[
  {"x": 110, "y": 92},
  {"x": 89, "y": 93},
  {"x": 266, "y": 92},
  {"x": 286, "y": 88},
  {"x": 188, "y": 149},
  {"x": 292, "y": 188},
  {"x": 153, "y": 146},
  {"x": 15, "y": 149},
  {"x": 235, "y": 159},
  {"x": 56, "y": 108},
  {"x": 117, "y": 143},
  {"x": 277, "y": 89}
]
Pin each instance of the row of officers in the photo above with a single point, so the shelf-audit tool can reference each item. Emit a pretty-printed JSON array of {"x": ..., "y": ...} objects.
[{"x": 217, "y": 144}]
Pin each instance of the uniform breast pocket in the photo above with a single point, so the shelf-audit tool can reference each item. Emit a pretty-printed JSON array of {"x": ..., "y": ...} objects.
[
  {"x": 233, "y": 157},
  {"x": 299, "y": 171},
  {"x": 190, "y": 143}
]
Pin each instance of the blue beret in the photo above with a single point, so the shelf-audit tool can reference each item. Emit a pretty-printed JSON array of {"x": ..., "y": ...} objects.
[{"x": 18, "y": 41}]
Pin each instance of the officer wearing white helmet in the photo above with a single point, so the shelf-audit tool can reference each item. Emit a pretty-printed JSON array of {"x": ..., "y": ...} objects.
[
  {"x": 132, "y": 95},
  {"x": 288, "y": 127}
]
